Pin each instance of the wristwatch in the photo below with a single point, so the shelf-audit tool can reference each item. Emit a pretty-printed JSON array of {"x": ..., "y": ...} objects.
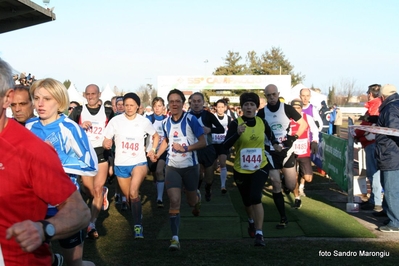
[{"x": 48, "y": 229}]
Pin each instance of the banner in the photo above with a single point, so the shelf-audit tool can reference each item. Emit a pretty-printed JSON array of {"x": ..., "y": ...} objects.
[
  {"x": 376, "y": 130},
  {"x": 332, "y": 157}
]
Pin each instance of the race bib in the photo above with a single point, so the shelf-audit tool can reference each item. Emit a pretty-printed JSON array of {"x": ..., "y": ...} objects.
[
  {"x": 301, "y": 146},
  {"x": 131, "y": 147},
  {"x": 218, "y": 138},
  {"x": 251, "y": 159}
]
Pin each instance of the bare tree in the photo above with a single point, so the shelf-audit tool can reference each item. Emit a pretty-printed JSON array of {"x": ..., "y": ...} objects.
[{"x": 344, "y": 91}]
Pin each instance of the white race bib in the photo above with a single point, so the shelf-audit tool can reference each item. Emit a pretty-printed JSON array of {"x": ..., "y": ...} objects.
[
  {"x": 251, "y": 158},
  {"x": 301, "y": 146},
  {"x": 218, "y": 138}
]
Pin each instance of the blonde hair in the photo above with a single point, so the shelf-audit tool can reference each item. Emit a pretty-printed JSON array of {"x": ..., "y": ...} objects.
[{"x": 56, "y": 89}]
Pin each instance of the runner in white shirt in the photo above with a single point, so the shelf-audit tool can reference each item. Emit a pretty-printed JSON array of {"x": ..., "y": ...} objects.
[
  {"x": 158, "y": 168},
  {"x": 129, "y": 130},
  {"x": 217, "y": 140}
]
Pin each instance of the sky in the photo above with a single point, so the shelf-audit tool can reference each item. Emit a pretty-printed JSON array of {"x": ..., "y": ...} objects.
[{"x": 129, "y": 43}]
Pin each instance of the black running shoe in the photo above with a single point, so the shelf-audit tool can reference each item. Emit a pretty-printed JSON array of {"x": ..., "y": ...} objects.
[
  {"x": 159, "y": 204},
  {"x": 283, "y": 223},
  {"x": 92, "y": 233},
  {"x": 297, "y": 204},
  {"x": 259, "y": 241}
]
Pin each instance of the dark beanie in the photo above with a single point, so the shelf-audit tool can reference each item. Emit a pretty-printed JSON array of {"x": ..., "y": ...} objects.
[
  {"x": 249, "y": 97},
  {"x": 133, "y": 96}
]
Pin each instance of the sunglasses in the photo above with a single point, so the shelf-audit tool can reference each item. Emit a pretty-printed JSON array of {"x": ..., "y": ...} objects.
[{"x": 71, "y": 108}]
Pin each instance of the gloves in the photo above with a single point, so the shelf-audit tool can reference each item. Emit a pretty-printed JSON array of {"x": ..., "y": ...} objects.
[
  {"x": 370, "y": 136},
  {"x": 289, "y": 141},
  {"x": 314, "y": 146}
]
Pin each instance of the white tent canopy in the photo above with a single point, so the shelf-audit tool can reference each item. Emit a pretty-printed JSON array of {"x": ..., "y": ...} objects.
[
  {"x": 74, "y": 95},
  {"x": 107, "y": 94},
  {"x": 315, "y": 97}
]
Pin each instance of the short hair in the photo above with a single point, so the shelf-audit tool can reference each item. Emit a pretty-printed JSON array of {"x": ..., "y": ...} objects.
[
  {"x": 157, "y": 99},
  {"x": 74, "y": 102},
  {"x": 197, "y": 93},
  {"x": 56, "y": 89},
  {"x": 21, "y": 87},
  {"x": 310, "y": 92},
  {"x": 374, "y": 89},
  {"x": 6, "y": 77},
  {"x": 98, "y": 88},
  {"x": 223, "y": 101},
  {"x": 179, "y": 92}
]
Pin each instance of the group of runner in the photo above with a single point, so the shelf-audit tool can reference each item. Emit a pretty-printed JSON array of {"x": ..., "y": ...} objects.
[{"x": 183, "y": 148}]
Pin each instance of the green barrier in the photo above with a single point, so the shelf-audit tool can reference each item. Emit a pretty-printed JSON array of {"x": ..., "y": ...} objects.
[{"x": 334, "y": 157}]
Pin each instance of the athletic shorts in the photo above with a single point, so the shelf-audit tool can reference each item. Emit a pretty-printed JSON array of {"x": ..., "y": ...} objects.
[
  {"x": 74, "y": 240},
  {"x": 304, "y": 166},
  {"x": 280, "y": 160},
  {"x": 220, "y": 149},
  {"x": 207, "y": 156},
  {"x": 153, "y": 166},
  {"x": 102, "y": 154},
  {"x": 125, "y": 171},
  {"x": 179, "y": 177}
]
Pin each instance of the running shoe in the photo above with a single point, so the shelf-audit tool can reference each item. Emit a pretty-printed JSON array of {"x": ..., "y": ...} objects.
[
  {"x": 58, "y": 260},
  {"x": 197, "y": 207},
  {"x": 138, "y": 231},
  {"x": 124, "y": 205},
  {"x": 208, "y": 193},
  {"x": 92, "y": 233},
  {"x": 389, "y": 229},
  {"x": 301, "y": 192},
  {"x": 159, "y": 204},
  {"x": 297, "y": 204},
  {"x": 105, "y": 199},
  {"x": 259, "y": 241},
  {"x": 251, "y": 230},
  {"x": 118, "y": 199},
  {"x": 283, "y": 223},
  {"x": 174, "y": 245}
]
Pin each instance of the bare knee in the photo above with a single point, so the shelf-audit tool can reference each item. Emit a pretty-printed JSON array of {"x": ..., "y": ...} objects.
[{"x": 308, "y": 178}]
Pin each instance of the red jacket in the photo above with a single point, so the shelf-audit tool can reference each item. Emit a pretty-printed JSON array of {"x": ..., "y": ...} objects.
[{"x": 372, "y": 110}]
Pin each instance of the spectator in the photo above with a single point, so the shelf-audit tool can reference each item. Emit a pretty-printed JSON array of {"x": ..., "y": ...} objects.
[
  {"x": 337, "y": 122},
  {"x": 333, "y": 114},
  {"x": 387, "y": 154},
  {"x": 367, "y": 139},
  {"x": 324, "y": 110}
]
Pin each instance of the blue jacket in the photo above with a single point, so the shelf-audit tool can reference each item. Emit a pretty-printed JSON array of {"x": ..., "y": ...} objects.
[
  {"x": 387, "y": 147},
  {"x": 71, "y": 143}
]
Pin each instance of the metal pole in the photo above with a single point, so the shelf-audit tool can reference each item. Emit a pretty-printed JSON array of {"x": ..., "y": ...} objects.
[{"x": 349, "y": 163}]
